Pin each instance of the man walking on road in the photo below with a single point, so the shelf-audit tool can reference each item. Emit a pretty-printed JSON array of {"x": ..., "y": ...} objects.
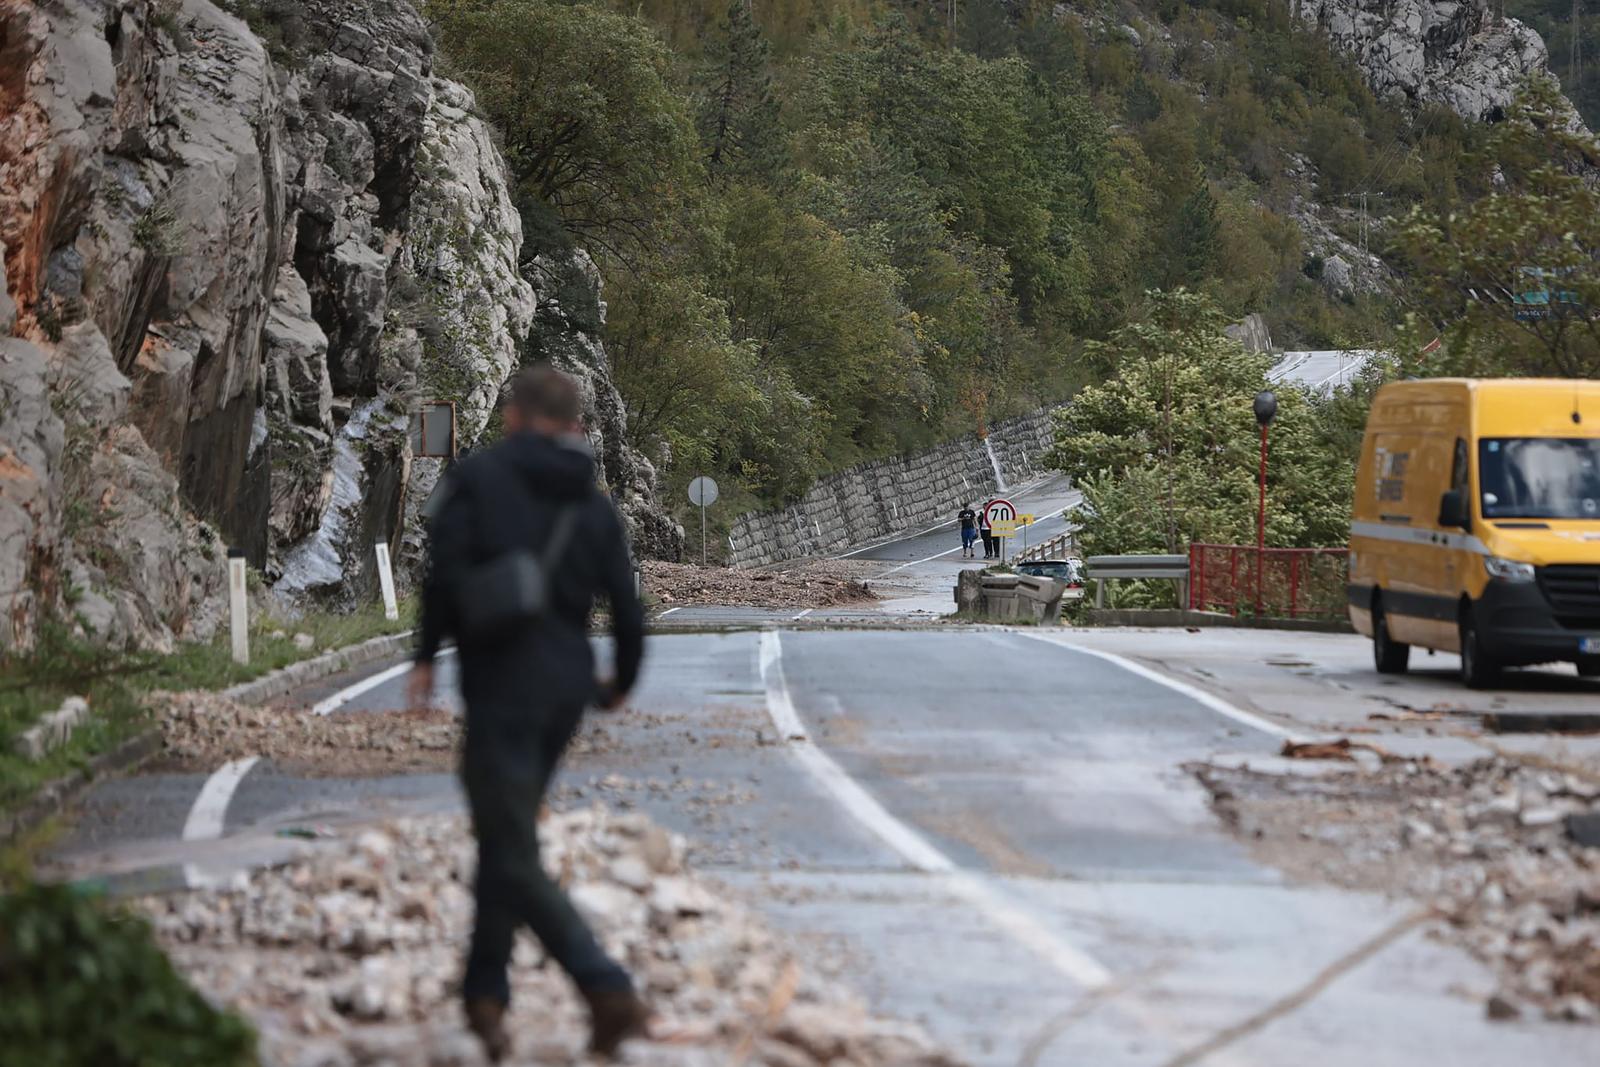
[
  {"x": 527, "y": 673},
  {"x": 969, "y": 529}
]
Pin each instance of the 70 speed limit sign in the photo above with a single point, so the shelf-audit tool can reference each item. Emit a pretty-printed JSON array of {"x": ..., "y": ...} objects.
[{"x": 1002, "y": 516}]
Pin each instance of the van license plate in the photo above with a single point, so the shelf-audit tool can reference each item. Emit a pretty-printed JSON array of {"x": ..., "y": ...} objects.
[{"x": 1589, "y": 646}]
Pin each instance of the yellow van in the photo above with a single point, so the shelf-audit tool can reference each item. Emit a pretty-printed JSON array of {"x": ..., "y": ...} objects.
[{"x": 1477, "y": 524}]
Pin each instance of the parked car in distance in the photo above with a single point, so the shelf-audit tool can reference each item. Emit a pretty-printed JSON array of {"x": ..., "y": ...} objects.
[{"x": 1063, "y": 570}]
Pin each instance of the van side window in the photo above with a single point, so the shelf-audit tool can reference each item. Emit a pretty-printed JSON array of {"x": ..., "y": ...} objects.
[{"x": 1458, "y": 471}]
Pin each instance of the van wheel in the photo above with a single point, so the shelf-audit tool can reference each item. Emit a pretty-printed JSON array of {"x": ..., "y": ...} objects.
[
  {"x": 1388, "y": 655},
  {"x": 1478, "y": 668}
]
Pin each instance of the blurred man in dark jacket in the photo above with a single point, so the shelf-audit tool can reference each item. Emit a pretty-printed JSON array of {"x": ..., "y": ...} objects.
[{"x": 526, "y": 688}]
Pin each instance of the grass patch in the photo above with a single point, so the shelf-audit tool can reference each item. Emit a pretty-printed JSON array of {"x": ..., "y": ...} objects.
[{"x": 116, "y": 684}]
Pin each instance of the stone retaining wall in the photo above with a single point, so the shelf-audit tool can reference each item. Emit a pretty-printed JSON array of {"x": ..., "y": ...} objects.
[{"x": 890, "y": 496}]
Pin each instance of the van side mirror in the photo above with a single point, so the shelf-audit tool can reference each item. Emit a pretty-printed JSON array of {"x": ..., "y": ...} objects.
[{"x": 1453, "y": 510}]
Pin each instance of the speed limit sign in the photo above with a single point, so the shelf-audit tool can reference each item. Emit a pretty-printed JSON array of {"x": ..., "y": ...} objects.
[{"x": 1000, "y": 510}]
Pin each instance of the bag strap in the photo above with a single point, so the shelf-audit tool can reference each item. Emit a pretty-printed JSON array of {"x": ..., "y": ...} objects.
[{"x": 566, "y": 523}]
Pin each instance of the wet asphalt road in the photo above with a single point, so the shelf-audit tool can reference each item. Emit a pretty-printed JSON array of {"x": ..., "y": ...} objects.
[{"x": 1020, "y": 820}]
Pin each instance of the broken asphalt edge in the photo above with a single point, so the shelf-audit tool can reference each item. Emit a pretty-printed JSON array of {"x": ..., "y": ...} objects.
[{"x": 59, "y": 794}]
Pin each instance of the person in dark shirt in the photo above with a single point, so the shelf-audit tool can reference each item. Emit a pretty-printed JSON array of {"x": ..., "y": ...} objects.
[
  {"x": 527, "y": 685},
  {"x": 969, "y": 530}
]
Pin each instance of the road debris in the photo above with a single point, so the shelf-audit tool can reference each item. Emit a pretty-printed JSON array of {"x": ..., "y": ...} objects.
[
  {"x": 812, "y": 584},
  {"x": 202, "y": 730},
  {"x": 1487, "y": 845},
  {"x": 350, "y": 956}
]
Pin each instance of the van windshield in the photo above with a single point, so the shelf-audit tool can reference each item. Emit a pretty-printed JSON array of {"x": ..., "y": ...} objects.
[{"x": 1540, "y": 477}]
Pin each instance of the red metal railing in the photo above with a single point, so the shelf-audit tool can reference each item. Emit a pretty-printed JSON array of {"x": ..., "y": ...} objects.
[{"x": 1296, "y": 583}]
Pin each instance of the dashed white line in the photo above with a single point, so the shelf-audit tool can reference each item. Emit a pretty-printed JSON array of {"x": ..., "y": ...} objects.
[
  {"x": 350, "y": 692},
  {"x": 802, "y": 615},
  {"x": 210, "y": 809},
  {"x": 1200, "y": 696},
  {"x": 916, "y": 850},
  {"x": 669, "y": 611}
]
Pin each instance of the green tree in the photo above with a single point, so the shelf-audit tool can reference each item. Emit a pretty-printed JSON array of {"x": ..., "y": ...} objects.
[
  {"x": 1166, "y": 448},
  {"x": 592, "y": 125},
  {"x": 1512, "y": 278},
  {"x": 738, "y": 113}
]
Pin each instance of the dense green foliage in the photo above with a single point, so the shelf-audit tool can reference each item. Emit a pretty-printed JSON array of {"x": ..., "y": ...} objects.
[
  {"x": 1510, "y": 279},
  {"x": 1166, "y": 450},
  {"x": 837, "y": 228},
  {"x": 1580, "y": 83},
  {"x": 82, "y": 982}
]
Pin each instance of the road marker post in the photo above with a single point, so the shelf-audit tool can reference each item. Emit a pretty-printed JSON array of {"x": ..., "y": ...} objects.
[
  {"x": 238, "y": 606},
  {"x": 391, "y": 610}
]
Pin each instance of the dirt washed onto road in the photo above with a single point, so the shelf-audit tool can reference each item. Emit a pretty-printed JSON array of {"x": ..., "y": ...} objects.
[
  {"x": 1485, "y": 846},
  {"x": 809, "y": 584},
  {"x": 350, "y": 957},
  {"x": 200, "y": 731}
]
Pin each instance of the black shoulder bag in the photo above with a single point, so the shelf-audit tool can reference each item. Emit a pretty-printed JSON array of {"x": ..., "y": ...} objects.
[{"x": 512, "y": 591}]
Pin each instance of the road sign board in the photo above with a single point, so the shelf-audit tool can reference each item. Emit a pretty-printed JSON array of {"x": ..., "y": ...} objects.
[
  {"x": 1000, "y": 510},
  {"x": 433, "y": 430},
  {"x": 1003, "y": 527},
  {"x": 703, "y": 492},
  {"x": 1025, "y": 520}
]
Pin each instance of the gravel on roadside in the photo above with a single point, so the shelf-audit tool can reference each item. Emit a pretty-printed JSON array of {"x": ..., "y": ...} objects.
[
  {"x": 1485, "y": 846},
  {"x": 805, "y": 584},
  {"x": 350, "y": 956}
]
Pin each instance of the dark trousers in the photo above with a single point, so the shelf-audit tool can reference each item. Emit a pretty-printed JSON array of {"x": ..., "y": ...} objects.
[
  {"x": 507, "y": 768},
  {"x": 988, "y": 543}
]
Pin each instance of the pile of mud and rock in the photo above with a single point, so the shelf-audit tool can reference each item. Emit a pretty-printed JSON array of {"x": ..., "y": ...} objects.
[
  {"x": 351, "y": 955},
  {"x": 1502, "y": 852},
  {"x": 201, "y": 730},
  {"x": 812, "y": 584}
]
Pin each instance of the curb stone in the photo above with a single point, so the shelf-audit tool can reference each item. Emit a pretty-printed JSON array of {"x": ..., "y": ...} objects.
[{"x": 55, "y": 796}]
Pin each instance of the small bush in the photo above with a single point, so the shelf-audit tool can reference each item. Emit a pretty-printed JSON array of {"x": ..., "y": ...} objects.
[
  {"x": 158, "y": 231},
  {"x": 82, "y": 982}
]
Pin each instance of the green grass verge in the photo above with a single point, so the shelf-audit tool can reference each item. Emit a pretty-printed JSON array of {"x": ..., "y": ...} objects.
[{"x": 116, "y": 684}]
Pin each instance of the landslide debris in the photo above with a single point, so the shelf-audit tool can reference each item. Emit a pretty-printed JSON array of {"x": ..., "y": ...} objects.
[
  {"x": 351, "y": 954},
  {"x": 813, "y": 584},
  {"x": 1485, "y": 844},
  {"x": 203, "y": 730}
]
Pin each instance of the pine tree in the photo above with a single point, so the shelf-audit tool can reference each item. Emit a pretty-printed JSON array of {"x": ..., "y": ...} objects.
[
  {"x": 1192, "y": 234},
  {"x": 739, "y": 123}
]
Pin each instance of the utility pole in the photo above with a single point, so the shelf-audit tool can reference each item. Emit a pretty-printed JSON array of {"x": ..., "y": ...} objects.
[{"x": 1575, "y": 62}]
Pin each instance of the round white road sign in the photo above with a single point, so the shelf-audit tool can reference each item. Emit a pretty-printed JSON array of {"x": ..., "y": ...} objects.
[{"x": 702, "y": 492}]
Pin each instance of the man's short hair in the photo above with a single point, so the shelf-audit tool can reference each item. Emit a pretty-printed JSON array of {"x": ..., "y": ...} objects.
[{"x": 541, "y": 391}]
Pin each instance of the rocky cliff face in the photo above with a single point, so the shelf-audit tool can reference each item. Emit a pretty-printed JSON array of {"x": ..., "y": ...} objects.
[
  {"x": 230, "y": 273},
  {"x": 1458, "y": 54}
]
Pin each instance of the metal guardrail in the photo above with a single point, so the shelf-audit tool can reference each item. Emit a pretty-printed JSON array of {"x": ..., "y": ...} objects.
[
  {"x": 1058, "y": 547},
  {"x": 1100, "y": 569}
]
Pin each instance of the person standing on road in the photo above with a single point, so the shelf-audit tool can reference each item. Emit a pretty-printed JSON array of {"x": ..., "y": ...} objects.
[
  {"x": 969, "y": 529},
  {"x": 983, "y": 529},
  {"x": 527, "y": 673}
]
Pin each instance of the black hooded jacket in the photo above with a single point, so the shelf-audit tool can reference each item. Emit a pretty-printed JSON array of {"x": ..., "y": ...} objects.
[{"x": 508, "y": 497}]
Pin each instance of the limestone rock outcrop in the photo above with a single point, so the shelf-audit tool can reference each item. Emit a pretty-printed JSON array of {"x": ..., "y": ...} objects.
[
  {"x": 1457, "y": 53},
  {"x": 239, "y": 245}
]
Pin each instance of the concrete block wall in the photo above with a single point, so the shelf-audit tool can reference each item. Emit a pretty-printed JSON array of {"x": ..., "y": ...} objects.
[{"x": 890, "y": 496}]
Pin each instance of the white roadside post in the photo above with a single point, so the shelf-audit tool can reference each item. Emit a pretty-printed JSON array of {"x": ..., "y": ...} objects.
[
  {"x": 703, "y": 493},
  {"x": 238, "y": 606},
  {"x": 391, "y": 610}
]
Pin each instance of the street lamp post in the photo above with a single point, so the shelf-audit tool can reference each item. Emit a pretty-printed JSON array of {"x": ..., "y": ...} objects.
[{"x": 1266, "y": 406}]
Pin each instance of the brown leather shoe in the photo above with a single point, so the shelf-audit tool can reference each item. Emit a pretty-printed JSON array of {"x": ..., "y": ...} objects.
[
  {"x": 614, "y": 1016},
  {"x": 486, "y": 1017}
]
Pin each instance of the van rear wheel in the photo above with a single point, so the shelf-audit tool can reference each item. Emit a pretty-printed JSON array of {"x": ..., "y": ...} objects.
[
  {"x": 1388, "y": 655},
  {"x": 1478, "y": 668}
]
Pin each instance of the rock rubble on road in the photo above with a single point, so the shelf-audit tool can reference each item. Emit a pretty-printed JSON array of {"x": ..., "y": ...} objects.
[
  {"x": 203, "y": 730},
  {"x": 350, "y": 955},
  {"x": 815, "y": 584},
  {"x": 1486, "y": 845}
]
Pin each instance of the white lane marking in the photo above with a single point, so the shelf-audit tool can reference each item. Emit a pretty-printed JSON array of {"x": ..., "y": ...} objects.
[
  {"x": 210, "y": 809},
  {"x": 1195, "y": 693},
  {"x": 1073, "y": 963},
  {"x": 669, "y": 611},
  {"x": 802, "y": 615},
  {"x": 350, "y": 692}
]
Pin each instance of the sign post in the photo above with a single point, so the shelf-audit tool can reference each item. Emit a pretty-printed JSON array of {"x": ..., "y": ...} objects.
[
  {"x": 702, "y": 494},
  {"x": 238, "y": 606},
  {"x": 391, "y": 610},
  {"x": 1002, "y": 515}
]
